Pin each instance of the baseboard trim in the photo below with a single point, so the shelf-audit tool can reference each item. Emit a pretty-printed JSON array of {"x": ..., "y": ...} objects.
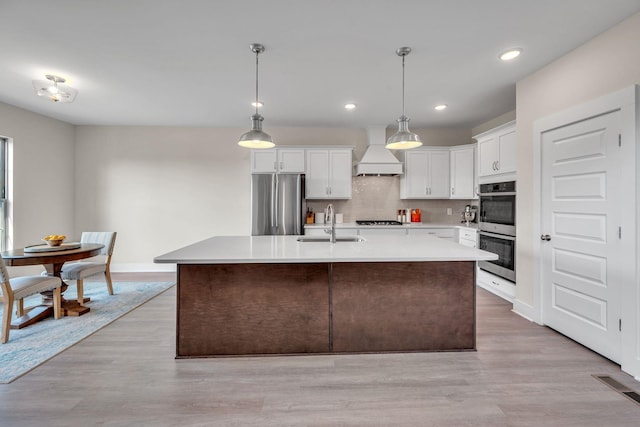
[
  {"x": 525, "y": 310},
  {"x": 142, "y": 267}
]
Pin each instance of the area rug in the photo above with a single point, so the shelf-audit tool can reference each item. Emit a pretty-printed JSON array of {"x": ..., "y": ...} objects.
[{"x": 31, "y": 346}]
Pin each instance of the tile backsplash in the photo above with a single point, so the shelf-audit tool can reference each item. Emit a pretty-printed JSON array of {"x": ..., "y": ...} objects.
[{"x": 378, "y": 197}]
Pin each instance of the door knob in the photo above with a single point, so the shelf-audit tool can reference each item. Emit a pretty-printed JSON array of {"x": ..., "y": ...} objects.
[{"x": 545, "y": 237}]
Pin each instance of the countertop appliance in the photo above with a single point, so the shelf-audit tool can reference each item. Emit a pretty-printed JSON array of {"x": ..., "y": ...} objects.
[
  {"x": 469, "y": 214},
  {"x": 498, "y": 228},
  {"x": 378, "y": 222},
  {"x": 278, "y": 206}
]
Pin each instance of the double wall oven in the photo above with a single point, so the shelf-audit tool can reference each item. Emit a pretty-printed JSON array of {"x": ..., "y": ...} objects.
[{"x": 497, "y": 223}]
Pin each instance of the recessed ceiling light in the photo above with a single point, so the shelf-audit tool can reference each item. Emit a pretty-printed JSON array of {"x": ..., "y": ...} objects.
[
  {"x": 257, "y": 104},
  {"x": 350, "y": 106},
  {"x": 510, "y": 54},
  {"x": 441, "y": 107}
]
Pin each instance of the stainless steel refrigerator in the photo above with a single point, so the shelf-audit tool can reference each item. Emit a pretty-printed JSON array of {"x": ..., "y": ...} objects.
[{"x": 277, "y": 204}]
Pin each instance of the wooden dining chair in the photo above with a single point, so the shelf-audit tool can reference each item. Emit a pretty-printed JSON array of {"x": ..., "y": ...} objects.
[
  {"x": 18, "y": 288},
  {"x": 80, "y": 270}
]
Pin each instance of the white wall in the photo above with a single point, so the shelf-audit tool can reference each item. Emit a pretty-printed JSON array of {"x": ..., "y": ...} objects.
[
  {"x": 42, "y": 184},
  {"x": 605, "y": 64}
]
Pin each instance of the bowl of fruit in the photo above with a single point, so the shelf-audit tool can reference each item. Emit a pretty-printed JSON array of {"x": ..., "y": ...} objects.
[{"x": 54, "y": 239}]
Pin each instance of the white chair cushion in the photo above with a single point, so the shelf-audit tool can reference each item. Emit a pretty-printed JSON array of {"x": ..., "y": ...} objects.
[
  {"x": 30, "y": 285},
  {"x": 80, "y": 270}
]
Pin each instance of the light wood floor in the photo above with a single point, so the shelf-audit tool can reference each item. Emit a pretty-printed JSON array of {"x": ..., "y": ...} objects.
[{"x": 126, "y": 375}]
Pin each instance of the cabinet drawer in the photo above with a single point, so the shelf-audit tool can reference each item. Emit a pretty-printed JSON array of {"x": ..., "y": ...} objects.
[
  {"x": 467, "y": 234},
  {"x": 445, "y": 233}
]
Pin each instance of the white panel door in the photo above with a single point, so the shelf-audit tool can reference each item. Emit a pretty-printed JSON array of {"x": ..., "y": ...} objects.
[{"x": 583, "y": 255}]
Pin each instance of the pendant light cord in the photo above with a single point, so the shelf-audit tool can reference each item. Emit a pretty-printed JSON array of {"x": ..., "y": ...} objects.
[
  {"x": 403, "y": 85},
  {"x": 257, "y": 53}
]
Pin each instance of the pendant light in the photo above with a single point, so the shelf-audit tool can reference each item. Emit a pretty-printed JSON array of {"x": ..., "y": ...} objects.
[
  {"x": 403, "y": 139},
  {"x": 256, "y": 138}
]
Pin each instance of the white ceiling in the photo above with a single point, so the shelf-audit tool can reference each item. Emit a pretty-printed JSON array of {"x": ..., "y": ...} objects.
[{"x": 188, "y": 62}]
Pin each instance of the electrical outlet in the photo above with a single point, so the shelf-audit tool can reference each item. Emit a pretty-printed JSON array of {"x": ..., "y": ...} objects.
[{"x": 449, "y": 211}]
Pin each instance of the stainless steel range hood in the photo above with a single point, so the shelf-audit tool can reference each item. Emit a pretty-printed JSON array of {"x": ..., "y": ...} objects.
[{"x": 377, "y": 160}]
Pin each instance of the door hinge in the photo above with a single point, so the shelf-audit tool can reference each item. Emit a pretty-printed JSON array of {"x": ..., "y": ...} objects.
[
  {"x": 620, "y": 325},
  {"x": 619, "y": 140},
  {"x": 619, "y": 232}
]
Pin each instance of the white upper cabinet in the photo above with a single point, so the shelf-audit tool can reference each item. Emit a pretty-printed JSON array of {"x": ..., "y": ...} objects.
[
  {"x": 290, "y": 160},
  {"x": 463, "y": 172},
  {"x": 426, "y": 174},
  {"x": 278, "y": 160},
  {"x": 497, "y": 150},
  {"x": 328, "y": 173}
]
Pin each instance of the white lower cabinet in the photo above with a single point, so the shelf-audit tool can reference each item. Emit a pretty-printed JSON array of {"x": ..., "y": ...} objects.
[
  {"x": 443, "y": 233},
  {"x": 340, "y": 232},
  {"x": 496, "y": 285},
  {"x": 468, "y": 237},
  {"x": 364, "y": 232}
]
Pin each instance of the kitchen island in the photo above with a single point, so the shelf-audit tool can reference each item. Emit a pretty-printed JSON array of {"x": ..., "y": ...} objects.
[{"x": 252, "y": 295}]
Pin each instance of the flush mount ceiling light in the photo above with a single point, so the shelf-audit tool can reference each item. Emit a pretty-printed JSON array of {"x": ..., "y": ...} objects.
[
  {"x": 403, "y": 139},
  {"x": 350, "y": 106},
  {"x": 510, "y": 54},
  {"x": 440, "y": 107},
  {"x": 256, "y": 138},
  {"x": 54, "y": 89}
]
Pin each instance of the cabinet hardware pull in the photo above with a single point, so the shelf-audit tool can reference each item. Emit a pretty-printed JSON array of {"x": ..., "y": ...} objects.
[
  {"x": 545, "y": 237},
  {"x": 281, "y": 165},
  {"x": 453, "y": 191},
  {"x": 497, "y": 165},
  {"x": 275, "y": 166}
]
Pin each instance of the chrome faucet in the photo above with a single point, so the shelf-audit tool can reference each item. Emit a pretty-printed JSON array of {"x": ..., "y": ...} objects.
[{"x": 328, "y": 213}]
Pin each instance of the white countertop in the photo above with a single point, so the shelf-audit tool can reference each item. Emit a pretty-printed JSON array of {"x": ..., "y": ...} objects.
[
  {"x": 287, "y": 249},
  {"x": 403, "y": 226}
]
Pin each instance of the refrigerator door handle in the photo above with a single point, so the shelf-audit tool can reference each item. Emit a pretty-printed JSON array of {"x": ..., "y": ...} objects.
[{"x": 274, "y": 204}]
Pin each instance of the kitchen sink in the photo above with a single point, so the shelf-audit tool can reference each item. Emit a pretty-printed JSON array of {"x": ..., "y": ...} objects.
[{"x": 328, "y": 239}]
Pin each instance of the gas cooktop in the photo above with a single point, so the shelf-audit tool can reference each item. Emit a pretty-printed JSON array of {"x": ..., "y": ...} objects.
[{"x": 377, "y": 222}]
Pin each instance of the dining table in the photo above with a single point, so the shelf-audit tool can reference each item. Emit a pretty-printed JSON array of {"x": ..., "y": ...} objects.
[{"x": 53, "y": 259}]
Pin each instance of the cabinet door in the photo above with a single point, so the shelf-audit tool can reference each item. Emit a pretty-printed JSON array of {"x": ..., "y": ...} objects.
[
  {"x": 340, "y": 174},
  {"x": 507, "y": 156},
  {"x": 290, "y": 160},
  {"x": 487, "y": 156},
  {"x": 364, "y": 232},
  {"x": 443, "y": 233},
  {"x": 414, "y": 183},
  {"x": 463, "y": 173},
  {"x": 439, "y": 174},
  {"x": 263, "y": 161},
  {"x": 317, "y": 174}
]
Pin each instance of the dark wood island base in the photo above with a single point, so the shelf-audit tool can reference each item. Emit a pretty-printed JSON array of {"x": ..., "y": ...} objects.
[{"x": 297, "y": 308}]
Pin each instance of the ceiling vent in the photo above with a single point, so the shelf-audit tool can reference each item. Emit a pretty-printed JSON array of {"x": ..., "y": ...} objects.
[{"x": 378, "y": 160}]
